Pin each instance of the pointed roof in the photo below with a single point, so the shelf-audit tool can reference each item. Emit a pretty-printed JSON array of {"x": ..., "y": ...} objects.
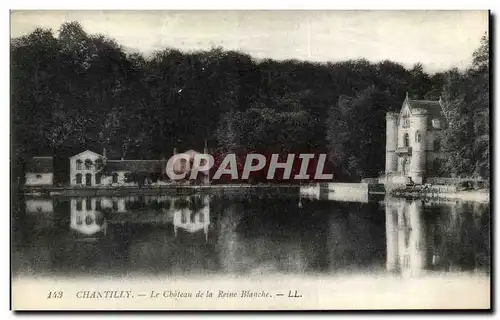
[
  {"x": 191, "y": 152},
  {"x": 433, "y": 108},
  {"x": 136, "y": 165}
]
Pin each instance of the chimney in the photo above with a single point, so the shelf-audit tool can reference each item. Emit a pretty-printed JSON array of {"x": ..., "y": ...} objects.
[
  {"x": 175, "y": 151},
  {"x": 205, "y": 149},
  {"x": 104, "y": 152}
]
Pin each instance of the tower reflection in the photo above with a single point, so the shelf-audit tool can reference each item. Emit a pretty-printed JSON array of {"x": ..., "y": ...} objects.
[{"x": 405, "y": 237}]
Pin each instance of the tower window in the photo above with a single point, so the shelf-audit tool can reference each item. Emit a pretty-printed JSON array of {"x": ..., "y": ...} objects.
[
  {"x": 406, "y": 140},
  {"x": 418, "y": 137}
]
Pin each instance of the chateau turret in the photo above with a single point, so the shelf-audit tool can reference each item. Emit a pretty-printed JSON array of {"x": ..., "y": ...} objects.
[
  {"x": 418, "y": 138},
  {"x": 391, "y": 143}
]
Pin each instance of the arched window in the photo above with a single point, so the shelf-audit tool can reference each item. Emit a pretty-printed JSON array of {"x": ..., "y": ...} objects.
[
  {"x": 418, "y": 137},
  {"x": 202, "y": 218},
  {"x": 79, "y": 205},
  {"x": 89, "y": 220},
  {"x": 97, "y": 178},
  {"x": 88, "y": 179},
  {"x": 88, "y": 204},
  {"x": 78, "y": 178},
  {"x": 406, "y": 140},
  {"x": 78, "y": 164},
  {"x": 115, "y": 205},
  {"x": 115, "y": 177},
  {"x": 183, "y": 217},
  {"x": 88, "y": 164}
]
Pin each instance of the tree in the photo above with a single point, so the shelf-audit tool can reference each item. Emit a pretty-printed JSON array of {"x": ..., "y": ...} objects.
[{"x": 466, "y": 99}]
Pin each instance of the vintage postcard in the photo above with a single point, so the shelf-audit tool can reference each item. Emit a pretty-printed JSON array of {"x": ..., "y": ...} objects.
[{"x": 250, "y": 160}]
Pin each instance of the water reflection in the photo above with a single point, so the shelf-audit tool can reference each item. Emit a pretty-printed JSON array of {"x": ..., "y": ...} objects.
[
  {"x": 204, "y": 234},
  {"x": 448, "y": 236},
  {"x": 86, "y": 220},
  {"x": 405, "y": 234}
]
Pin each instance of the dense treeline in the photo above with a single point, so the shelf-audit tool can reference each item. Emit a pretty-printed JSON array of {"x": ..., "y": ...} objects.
[{"x": 82, "y": 91}]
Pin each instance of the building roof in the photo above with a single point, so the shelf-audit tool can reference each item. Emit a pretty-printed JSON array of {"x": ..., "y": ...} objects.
[
  {"x": 433, "y": 108},
  {"x": 40, "y": 165},
  {"x": 190, "y": 152},
  {"x": 149, "y": 166},
  {"x": 84, "y": 152}
]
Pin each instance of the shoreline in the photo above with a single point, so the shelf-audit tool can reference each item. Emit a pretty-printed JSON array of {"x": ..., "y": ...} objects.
[{"x": 482, "y": 195}]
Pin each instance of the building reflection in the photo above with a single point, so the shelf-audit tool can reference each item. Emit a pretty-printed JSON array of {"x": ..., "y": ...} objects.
[
  {"x": 405, "y": 236},
  {"x": 192, "y": 214},
  {"x": 92, "y": 215},
  {"x": 87, "y": 219},
  {"x": 435, "y": 235},
  {"x": 41, "y": 205}
]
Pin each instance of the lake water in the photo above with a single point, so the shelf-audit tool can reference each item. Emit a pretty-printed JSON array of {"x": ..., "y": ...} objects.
[{"x": 256, "y": 234}]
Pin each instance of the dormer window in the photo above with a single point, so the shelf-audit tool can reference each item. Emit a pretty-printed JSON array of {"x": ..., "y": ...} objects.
[{"x": 405, "y": 119}]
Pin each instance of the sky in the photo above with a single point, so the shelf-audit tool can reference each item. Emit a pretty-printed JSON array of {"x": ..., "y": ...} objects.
[{"x": 439, "y": 40}]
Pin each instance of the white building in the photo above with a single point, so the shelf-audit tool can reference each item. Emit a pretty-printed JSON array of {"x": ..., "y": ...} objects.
[
  {"x": 91, "y": 169},
  {"x": 84, "y": 168}
]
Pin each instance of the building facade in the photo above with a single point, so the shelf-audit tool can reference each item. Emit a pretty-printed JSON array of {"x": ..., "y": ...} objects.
[
  {"x": 84, "y": 168},
  {"x": 90, "y": 169},
  {"x": 413, "y": 142},
  {"x": 39, "y": 172}
]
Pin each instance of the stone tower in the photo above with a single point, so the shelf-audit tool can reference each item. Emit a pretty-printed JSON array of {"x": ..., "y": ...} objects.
[
  {"x": 418, "y": 139},
  {"x": 391, "y": 143}
]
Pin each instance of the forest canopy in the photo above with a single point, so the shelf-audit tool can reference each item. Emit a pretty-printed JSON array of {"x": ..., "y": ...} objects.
[{"x": 78, "y": 91}]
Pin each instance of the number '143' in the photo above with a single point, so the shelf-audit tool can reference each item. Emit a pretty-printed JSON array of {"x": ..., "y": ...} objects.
[{"x": 55, "y": 295}]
